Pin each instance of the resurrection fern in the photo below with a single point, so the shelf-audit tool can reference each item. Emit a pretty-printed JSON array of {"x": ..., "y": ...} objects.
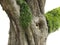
[
  {"x": 53, "y": 19},
  {"x": 25, "y": 14}
]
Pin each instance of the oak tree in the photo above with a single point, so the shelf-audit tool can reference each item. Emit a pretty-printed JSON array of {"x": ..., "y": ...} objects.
[{"x": 27, "y": 21}]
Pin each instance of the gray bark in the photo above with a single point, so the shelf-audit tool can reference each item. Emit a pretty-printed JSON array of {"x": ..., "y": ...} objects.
[{"x": 37, "y": 31}]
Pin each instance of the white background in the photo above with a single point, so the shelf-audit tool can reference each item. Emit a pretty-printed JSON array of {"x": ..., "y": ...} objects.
[
  {"x": 4, "y": 27},
  {"x": 53, "y": 38}
]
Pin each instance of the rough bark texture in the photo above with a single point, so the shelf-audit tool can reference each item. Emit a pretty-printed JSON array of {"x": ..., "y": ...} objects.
[{"x": 37, "y": 31}]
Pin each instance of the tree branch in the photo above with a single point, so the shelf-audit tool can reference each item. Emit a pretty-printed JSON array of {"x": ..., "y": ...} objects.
[{"x": 11, "y": 8}]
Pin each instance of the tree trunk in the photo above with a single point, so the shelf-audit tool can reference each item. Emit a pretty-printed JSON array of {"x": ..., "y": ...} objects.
[{"x": 36, "y": 32}]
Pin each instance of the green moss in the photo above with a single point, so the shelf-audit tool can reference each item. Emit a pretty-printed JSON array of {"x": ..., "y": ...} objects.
[
  {"x": 20, "y": 2},
  {"x": 53, "y": 19},
  {"x": 25, "y": 14}
]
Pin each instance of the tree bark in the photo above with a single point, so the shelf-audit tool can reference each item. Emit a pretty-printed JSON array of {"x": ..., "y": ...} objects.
[{"x": 36, "y": 33}]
